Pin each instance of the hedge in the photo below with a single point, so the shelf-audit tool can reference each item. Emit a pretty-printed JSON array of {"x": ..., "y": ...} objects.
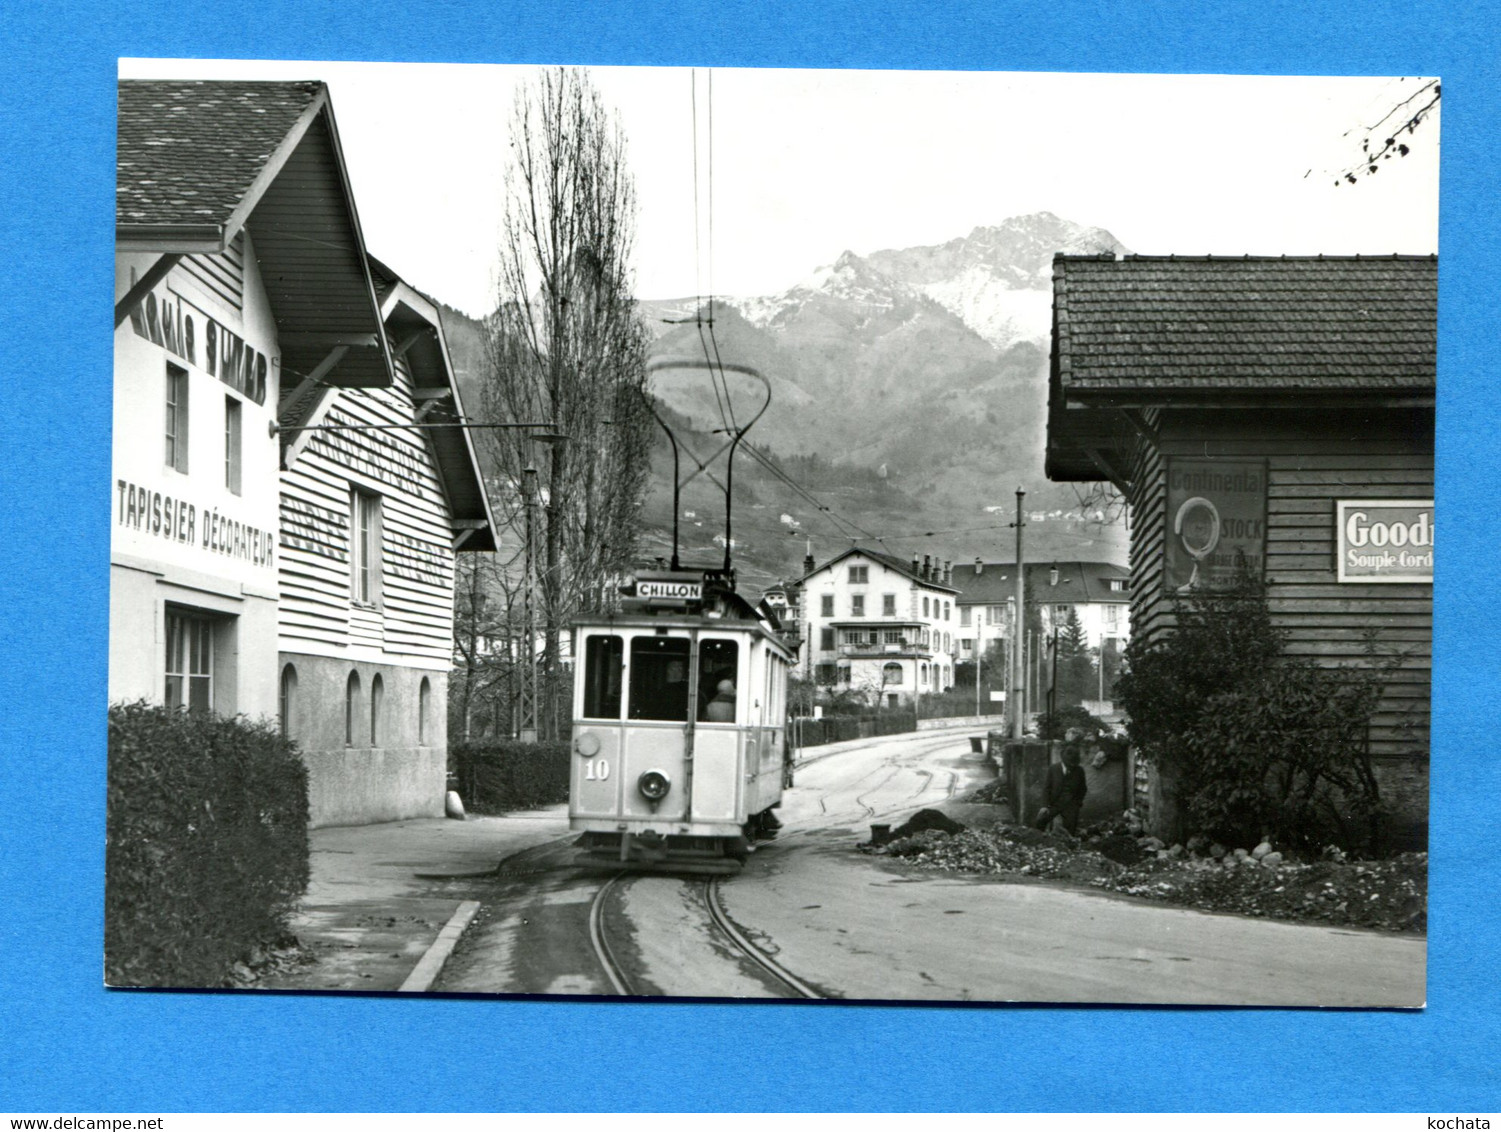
[
  {"x": 206, "y": 849},
  {"x": 499, "y": 775},
  {"x": 837, "y": 728}
]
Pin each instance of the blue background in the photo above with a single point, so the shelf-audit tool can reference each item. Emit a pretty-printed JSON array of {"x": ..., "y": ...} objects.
[{"x": 66, "y": 1044}]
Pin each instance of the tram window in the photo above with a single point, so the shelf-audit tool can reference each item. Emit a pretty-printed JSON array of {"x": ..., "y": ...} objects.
[
  {"x": 659, "y": 678},
  {"x": 718, "y": 665},
  {"x": 604, "y": 657}
]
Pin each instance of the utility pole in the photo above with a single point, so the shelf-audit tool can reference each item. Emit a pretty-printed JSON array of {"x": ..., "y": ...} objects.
[
  {"x": 526, "y": 728},
  {"x": 1018, "y": 672}
]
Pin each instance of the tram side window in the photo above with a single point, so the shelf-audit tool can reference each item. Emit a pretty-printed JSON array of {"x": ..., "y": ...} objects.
[
  {"x": 718, "y": 692},
  {"x": 659, "y": 678},
  {"x": 604, "y": 658}
]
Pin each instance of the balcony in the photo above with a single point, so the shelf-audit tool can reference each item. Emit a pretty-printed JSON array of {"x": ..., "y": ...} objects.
[{"x": 899, "y": 651}]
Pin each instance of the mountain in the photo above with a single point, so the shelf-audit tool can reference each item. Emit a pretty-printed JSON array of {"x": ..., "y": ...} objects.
[{"x": 908, "y": 395}]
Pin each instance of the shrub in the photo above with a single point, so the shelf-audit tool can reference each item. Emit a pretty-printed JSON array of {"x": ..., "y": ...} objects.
[
  {"x": 1253, "y": 743},
  {"x": 206, "y": 849},
  {"x": 504, "y": 774},
  {"x": 1057, "y": 725}
]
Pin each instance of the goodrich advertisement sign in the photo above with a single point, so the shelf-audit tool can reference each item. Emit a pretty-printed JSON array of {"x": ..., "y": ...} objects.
[{"x": 1385, "y": 540}]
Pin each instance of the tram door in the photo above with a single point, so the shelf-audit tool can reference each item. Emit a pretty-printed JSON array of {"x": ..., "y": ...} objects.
[{"x": 722, "y": 706}]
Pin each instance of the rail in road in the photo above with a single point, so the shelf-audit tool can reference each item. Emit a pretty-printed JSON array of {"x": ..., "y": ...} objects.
[{"x": 620, "y": 979}]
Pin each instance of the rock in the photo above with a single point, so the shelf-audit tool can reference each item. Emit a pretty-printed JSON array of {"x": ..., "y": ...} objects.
[
  {"x": 453, "y": 806},
  {"x": 1231, "y": 862},
  {"x": 1241, "y": 854},
  {"x": 1196, "y": 843},
  {"x": 1217, "y": 850},
  {"x": 1175, "y": 852},
  {"x": 1272, "y": 860},
  {"x": 1151, "y": 843},
  {"x": 1261, "y": 850},
  {"x": 1163, "y": 855},
  {"x": 925, "y": 820}
]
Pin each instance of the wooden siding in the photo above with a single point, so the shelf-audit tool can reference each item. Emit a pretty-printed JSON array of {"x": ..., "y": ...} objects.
[
  {"x": 222, "y": 276},
  {"x": 414, "y": 617},
  {"x": 1312, "y": 461}
]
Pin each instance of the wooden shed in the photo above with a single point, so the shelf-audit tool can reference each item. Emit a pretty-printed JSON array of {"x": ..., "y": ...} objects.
[{"x": 1278, "y": 411}]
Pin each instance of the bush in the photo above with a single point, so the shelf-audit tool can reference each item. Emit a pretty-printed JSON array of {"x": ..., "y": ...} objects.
[
  {"x": 505, "y": 774},
  {"x": 1058, "y": 725},
  {"x": 1253, "y": 743},
  {"x": 206, "y": 848},
  {"x": 838, "y": 728}
]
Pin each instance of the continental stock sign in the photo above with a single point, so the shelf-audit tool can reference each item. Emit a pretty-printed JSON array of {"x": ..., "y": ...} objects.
[
  {"x": 1384, "y": 540},
  {"x": 1216, "y": 522}
]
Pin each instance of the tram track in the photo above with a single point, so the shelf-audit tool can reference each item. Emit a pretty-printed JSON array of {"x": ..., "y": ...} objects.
[
  {"x": 599, "y": 939},
  {"x": 761, "y": 959}
]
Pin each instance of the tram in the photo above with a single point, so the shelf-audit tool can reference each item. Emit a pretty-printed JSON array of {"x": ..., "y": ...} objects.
[{"x": 679, "y": 725}]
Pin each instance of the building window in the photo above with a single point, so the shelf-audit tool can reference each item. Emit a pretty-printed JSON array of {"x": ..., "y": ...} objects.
[
  {"x": 893, "y": 636},
  {"x": 1112, "y": 615},
  {"x": 1116, "y": 585},
  {"x": 946, "y": 611},
  {"x": 925, "y": 607},
  {"x": 232, "y": 444},
  {"x": 857, "y": 605},
  {"x": 826, "y": 605},
  {"x": 823, "y": 673},
  {"x": 377, "y": 704},
  {"x": 891, "y": 673},
  {"x": 190, "y": 661},
  {"x": 364, "y": 547},
  {"x": 351, "y": 707},
  {"x": 177, "y": 418},
  {"x": 288, "y": 699},
  {"x": 424, "y": 705},
  {"x": 966, "y": 646},
  {"x": 826, "y": 639},
  {"x": 964, "y": 617},
  {"x": 844, "y": 674},
  {"x": 997, "y": 614},
  {"x": 859, "y": 575},
  {"x": 888, "y": 605}
]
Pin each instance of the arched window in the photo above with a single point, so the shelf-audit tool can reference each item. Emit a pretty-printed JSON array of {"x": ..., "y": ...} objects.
[
  {"x": 377, "y": 702},
  {"x": 288, "y": 699},
  {"x": 946, "y": 611},
  {"x": 351, "y": 707},
  {"x": 924, "y": 607},
  {"x": 891, "y": 673},
  {"x": 424, "y": 703}
]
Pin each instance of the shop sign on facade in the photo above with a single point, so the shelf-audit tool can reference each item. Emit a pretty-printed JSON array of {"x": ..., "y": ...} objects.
[
  {"x": 1216, "y": 522},
  {"x": 165, "y": 318},
  {"x": 1384, "y": 540}
]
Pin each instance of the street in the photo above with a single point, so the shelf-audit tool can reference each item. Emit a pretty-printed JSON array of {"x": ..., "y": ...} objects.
[{"x": 811, "y": 917}]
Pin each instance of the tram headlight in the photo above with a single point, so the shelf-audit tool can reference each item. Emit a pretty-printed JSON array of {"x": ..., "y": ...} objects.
[{"x": 653, "y": 785}]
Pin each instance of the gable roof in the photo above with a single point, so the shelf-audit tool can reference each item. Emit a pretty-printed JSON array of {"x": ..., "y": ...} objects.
[
  {"x": 1252, "y": 331},
  {"x": 1153, "y": 322},
  {"x": 890, "y": 561},
  {"x": 199, "y": 162},
  {"x": 1079, "y": 583}
]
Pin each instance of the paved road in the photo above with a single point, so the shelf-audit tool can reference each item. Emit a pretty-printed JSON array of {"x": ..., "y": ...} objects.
[{"x": 865, "y": 928}]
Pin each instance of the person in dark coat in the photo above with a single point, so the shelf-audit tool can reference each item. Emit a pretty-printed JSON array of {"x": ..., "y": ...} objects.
[{"x": 1063, "y": 792}]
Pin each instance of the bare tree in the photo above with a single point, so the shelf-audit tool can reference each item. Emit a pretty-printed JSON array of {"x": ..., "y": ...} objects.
[
  {"x": 1389, "y": 136},
  {"x": 567, "y": 347}
]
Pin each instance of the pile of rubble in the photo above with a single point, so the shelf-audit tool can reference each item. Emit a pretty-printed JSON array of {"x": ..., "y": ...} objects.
[{"x": 1388, "y": 894}]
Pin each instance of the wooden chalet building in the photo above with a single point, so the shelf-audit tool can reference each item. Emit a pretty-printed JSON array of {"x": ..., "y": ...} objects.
[
  {"x": 258, "y": 567},
  {"x": 372, "y": 512},
  {"x": 1278, "y": 411}
]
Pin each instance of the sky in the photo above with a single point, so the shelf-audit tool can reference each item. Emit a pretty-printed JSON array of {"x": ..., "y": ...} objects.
[{"x": 808, "y": 164}]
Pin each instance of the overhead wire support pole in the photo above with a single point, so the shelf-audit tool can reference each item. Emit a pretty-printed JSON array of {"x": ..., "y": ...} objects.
[{"x": 1018, "y": 662}]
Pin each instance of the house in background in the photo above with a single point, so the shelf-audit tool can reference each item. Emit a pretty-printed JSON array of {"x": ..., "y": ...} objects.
[
  {"x": 879, "y": 626},
  {"x": 1276, "y": 414},
  {"x": 1098, "y": 593}
]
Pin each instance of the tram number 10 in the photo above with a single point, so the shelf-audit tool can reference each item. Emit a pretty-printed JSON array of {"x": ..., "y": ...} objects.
[{"x": 597, "y": 770}]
